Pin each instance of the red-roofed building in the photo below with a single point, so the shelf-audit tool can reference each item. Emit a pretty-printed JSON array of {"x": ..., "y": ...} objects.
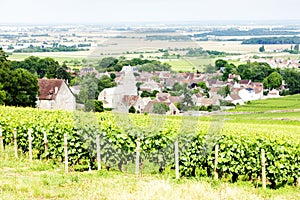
[
  {"x": 235, "y": 99},
  {"x": 55, "y": 94}
]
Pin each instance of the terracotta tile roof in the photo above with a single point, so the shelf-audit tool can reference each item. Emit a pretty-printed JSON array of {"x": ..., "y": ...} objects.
[
  {"x": 198, "y": 95},
  {"x": 235, "y": 97},
  {"x": 48, "y": 88},
  {"x": 244, "y": 82},
  {"x": 130, "y": 100},
  {"x": 206, "y": 101},
  {"x": 214, "y": 89},
  {"x": 174, "y": 99},
  {"x": 149, "y": 107},
  {"x": 235, "y": 90}
]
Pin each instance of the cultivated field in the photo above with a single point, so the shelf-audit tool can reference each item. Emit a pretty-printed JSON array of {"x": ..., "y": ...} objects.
[{"x": 21, "y": 179}]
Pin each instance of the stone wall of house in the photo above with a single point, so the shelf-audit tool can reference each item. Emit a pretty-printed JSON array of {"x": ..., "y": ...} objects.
[{"x": 65, "y": 100}]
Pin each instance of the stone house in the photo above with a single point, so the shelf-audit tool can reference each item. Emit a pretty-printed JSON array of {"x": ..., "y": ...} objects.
[
  {"x": 173, "y": 110},
  {"x": 55, "y": 94},
  {"x": 107, "y": 96},
  {"x": 235, "y": 99}
]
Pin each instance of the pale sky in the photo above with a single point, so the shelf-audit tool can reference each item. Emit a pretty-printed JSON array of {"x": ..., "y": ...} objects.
[{"x": 100, "y": 11}]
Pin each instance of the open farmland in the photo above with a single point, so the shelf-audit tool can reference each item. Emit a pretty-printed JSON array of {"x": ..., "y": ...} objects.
[
  {"x": 272, "y": 105},
  {"x": 190, "y": 64}
]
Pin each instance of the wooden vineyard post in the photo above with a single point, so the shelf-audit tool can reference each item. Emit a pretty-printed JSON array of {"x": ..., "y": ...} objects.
[
  {"x": 30, "y": 144},
  {"x": 1, "y": 140},
  {"x": 98, "y": 152},
  {"x": 263, "y": 168},
  {"x": 46, "y": 144},
  {"x": 216, "y": 162},
  {"x": 137, "y": 159},
  {"x": 176, "y": 159},
  {"x": 66, "y": 152},
  {"x": 15, "y": 143}
]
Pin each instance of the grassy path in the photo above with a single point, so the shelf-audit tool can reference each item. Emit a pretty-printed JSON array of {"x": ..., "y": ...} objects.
[{"x": 20, "y": 179}]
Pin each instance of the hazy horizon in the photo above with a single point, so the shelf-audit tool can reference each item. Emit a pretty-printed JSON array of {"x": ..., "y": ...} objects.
[{"x": 142, "y": 11}]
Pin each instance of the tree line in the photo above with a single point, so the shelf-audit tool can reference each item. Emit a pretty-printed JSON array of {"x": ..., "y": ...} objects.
[
  {"x": 273, "y": 40},
  {"x": 19, "y": 79},
  {"x": 255, "y": 32},
  {"x": 110, "y": 64},
  {"x": 59, "y": 48},
  {"x": 263, "y": 72}
]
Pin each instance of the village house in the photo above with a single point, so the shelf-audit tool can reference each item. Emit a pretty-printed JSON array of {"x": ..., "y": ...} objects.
[
  {"x": 215, "y": 83},
  {"x": 197, "y": 99},
  {"x": 163, "y": 97},
  {"x": 106, "y": 96},
  {"x": 133, "y": 100},
  {"x": 144, "y": 77},
  {"x": 273, "y": 94},
  {"x": 55, "y": 94},
  {"x": 233, "y": 78},
  {"x": 112, "y": 97},
  {"x": 208, "y": 101},
  {"x": 235, "y": 99},
  {"x": 88, "y": 70},
  {"x": 151, "y": 86},
  {"x": 173, "y": 110},
  {"x": 213, "y": 91}
]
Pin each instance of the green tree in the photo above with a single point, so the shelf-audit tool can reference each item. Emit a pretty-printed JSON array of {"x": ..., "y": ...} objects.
[
  {"x": 105, "y": 82},
  {"x": 296, "y": 48},
  {"x": 5, "y": 76},
  {"x": 108, "y": 62},
  {"x": 22, "y": 89},
  {"x": 202, "y": 85},
  {"x": 88, "y": 88},
  {"x": 262, "y": 49},
  {"x": 18, "y": 86},
  {"x": 3, "y": 56},
  {"x": 220, "y": 64},
  {"x": 292, "y": 80},
  {"x": 61, "y": 73},
  {"x": 160, "y": 108},
  {"x": 138, "y": 85},
  {"x": 255, "y": 71},
  {"x": 50, "y": 65},
  {"x": 145, "y": 94},
  {"x": 224, "y": 91},
  {"x": 209, "y": 69},
  {"x": 187, "y": 101},
  {"x": 177, "y": 87},
  {"x": 229, "y": 69},
  {"x": 94, "y": 106},
  {"x": 153, "y": 94},
  {"x": 155, "y": 78},
  {"x": 274, "y": 80},
  {"x": 2, "y": 95},
  {"x": 131, "y": 109},
  {"x": 99, "y": 106},
  {"x": 244, "y": 71},
  {"x": 112, "y": 76}
]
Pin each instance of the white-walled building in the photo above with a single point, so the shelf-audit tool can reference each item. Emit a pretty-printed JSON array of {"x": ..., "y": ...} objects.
[
  {"x": 55, "y": 94},
  {"x": 126, "y": 86}
]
